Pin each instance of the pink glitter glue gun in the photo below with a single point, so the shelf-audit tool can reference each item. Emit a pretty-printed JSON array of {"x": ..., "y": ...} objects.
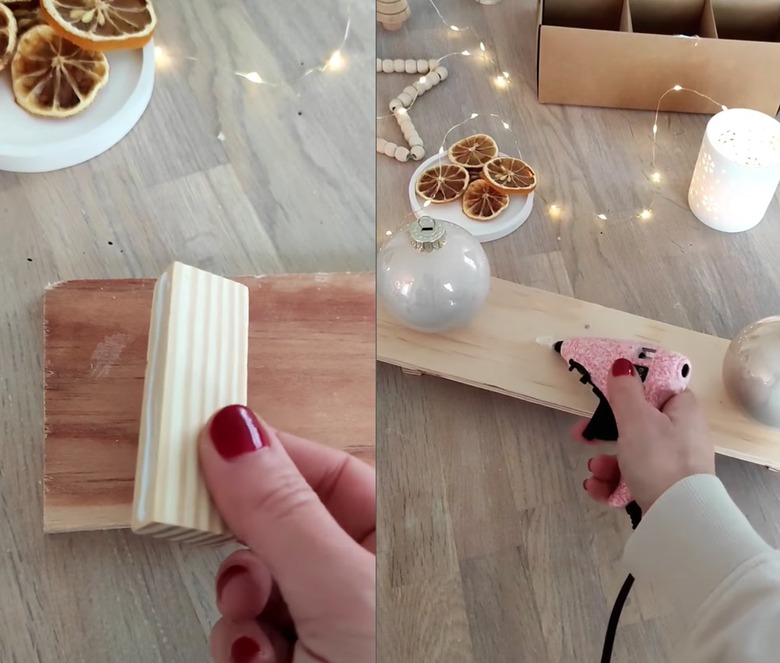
[{"x": 663, "y": 373}]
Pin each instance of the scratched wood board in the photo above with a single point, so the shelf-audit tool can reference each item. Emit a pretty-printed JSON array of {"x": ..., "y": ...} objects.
[
  {"x": 507, "y": 349},
  {"x": 311, "y": 373}
]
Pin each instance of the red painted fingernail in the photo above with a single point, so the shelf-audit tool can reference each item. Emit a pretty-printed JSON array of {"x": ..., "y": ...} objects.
[
  {"x": 589, "y": 462},
  {"x": 235, "y": 430},
  {"x": 228, "y": 574},
  {"x": 622, "y": 367},
  {"x": 244, "y": 650}
]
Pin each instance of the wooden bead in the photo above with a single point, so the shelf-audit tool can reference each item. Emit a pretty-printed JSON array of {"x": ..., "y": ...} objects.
[
  {"x": 411, "y": 91},
  {"x": 426, "y": 83},
  {"x": 419, "y": 86},
  {"x": 387, "y": 66},
  {"x": 398, "y": 66},
  {"x": 433, "y": 63},
  {"x": 405, "y": 123},
  {"x": 380, "y": 144},
  {"x": 390, "y": 149},
  {"x": 443, "y": 73},
  {"x": 408, "y": 130},
  {"x": 405, "y": 99},
  {"x": 378, "y": 65},
  {"x": 434, "y": 78},
  {"x": 401, "y": 153},
  {"x": 414, "y": 140},
  {"x": 411, "y": 67},
  {"x": 395, "y": 104},
  {"x": 417, "y": 152},
  {"x": 422, "y": 66}
]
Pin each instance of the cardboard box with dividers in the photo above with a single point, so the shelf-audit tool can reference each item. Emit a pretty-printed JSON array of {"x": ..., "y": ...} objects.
[{"x": 627, "y": 53}]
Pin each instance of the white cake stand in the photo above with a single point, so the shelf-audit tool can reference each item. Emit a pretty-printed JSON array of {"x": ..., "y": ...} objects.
[
  {"x": 514, "y": 216},
  {"x": 30, "y": 144}
]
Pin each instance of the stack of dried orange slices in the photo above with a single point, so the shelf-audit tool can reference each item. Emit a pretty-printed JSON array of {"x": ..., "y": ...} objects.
[
  {"x": 477, "y": 175},
  {"x": 56, "y": 48}
]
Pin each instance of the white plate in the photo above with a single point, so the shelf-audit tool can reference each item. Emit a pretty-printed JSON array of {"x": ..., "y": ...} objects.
[
  {"x": 514, "y": 216},
  {"x": 30, "y": 144}
]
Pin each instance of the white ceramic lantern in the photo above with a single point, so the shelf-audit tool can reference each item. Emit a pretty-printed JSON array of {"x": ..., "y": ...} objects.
[{"x": 738, "y": 170}]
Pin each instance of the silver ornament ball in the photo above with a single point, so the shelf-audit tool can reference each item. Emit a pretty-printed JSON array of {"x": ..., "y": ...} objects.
[
  {"x": 433, "y": 276},
  {"x": 751, "y": 371}
]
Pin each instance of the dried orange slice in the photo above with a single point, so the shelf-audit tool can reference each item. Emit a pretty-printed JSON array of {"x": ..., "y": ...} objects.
[
  {"x": 474, "y": 151},
  {"x": 442, "y": 183},
  {"x": 482, "y": 202},
  {"x": 7, "y": 35},
  {"x": 27, "y": 14},
  {"x": 53, "y": 77},
  {"x": 102, "y": 25},
  {"x": 510, "y": 175}
]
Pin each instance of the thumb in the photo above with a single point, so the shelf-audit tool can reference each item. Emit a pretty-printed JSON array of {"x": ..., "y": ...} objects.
[
  {"x": 267, "y": 503},
  {"x": 626, "y": 393}
]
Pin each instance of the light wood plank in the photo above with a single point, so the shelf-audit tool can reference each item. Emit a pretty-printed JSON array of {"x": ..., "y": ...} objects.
[
  {"x": 196, "y": 365},
  {"x": 503, "y": 351},
  {"x": 311, "y": 355}
]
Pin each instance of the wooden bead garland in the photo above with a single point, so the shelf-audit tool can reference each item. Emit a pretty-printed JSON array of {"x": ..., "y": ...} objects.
[
  {"x": 433, "y": 74},
  {"x": 410, "y": 133},
  {"x": 411, "y": 92},
  {"x": 409, "y": 66},
  {"x": 392, "y": 150}
]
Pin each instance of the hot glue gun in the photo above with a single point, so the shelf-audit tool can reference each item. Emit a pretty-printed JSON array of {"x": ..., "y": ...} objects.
[{"x": 663, "y": 373}]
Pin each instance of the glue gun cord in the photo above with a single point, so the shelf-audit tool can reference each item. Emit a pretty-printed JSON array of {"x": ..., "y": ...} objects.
[{"x": 635, "y": 513}]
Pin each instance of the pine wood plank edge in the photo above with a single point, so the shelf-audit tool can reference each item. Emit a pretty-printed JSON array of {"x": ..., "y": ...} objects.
[{"x": 504, "y": 351}]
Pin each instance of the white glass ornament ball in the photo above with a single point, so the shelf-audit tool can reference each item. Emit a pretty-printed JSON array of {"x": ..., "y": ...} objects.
[{"x": 433, "y": 276}]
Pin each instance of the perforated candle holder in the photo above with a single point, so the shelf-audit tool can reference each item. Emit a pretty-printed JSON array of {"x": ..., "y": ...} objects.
[{"x": 738, "y": 170}]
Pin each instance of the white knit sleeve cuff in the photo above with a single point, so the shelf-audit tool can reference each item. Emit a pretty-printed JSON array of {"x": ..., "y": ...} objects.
[{"x": 690, "y": 540}]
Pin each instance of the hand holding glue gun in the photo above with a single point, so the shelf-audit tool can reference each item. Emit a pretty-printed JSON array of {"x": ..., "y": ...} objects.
[{"x": 663, "y": 436}]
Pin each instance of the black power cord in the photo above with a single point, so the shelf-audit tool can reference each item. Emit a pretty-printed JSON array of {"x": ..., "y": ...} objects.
[{"x": 635, "y": 513}]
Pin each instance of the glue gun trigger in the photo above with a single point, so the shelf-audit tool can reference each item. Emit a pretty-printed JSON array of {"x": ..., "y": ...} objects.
[{"x": 602, "y": 425}]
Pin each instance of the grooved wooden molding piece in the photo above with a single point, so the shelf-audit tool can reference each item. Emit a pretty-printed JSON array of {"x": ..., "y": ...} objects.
[
  {"x": 507, "y": 349},
  {"x": 311, "y": 371},
  {"x": 196, "y": 364}
]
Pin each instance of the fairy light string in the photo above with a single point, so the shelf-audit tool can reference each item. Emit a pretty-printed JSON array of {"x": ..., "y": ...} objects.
[
  {"x": 334, "y": 63},
  {"x": 555, "y": 209}
]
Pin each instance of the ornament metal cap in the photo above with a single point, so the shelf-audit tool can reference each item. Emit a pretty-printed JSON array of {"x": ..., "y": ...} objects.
[{"x": 427, "y": 234}]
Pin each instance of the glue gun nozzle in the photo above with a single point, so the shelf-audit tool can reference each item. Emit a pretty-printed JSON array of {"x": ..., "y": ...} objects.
[{"x": 557, "y": 347}]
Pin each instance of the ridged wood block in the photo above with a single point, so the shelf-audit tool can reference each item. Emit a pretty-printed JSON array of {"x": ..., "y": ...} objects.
[{"x": 196, "y": 364}]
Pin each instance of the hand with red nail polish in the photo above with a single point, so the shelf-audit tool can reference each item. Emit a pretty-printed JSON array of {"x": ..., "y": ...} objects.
[
  {"x": 655, "y": 449},
  {"x": 305, "y": 589}
]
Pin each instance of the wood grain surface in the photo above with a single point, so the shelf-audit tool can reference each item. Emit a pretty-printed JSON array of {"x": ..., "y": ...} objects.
[
  {"x": 311, "y": 355},
  {"x": 503, "y": 350},
  {"x": 489, "y": 549},
  {"x": 290, "y": 189}
]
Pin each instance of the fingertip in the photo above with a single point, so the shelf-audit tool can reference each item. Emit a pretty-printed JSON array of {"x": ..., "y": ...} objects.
[
  {"x": 243, "y": 586},
  {"x": 597, "y": 490},
  {"x": 605, "y": 468},
  {"x": 577, "y": 433},
  {"x": 246, "y": 642}
]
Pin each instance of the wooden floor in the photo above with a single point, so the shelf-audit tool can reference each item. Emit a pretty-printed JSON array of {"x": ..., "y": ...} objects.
[
  {"x": 221, "y": 173},
  {"x": 489, "y": 549}
]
